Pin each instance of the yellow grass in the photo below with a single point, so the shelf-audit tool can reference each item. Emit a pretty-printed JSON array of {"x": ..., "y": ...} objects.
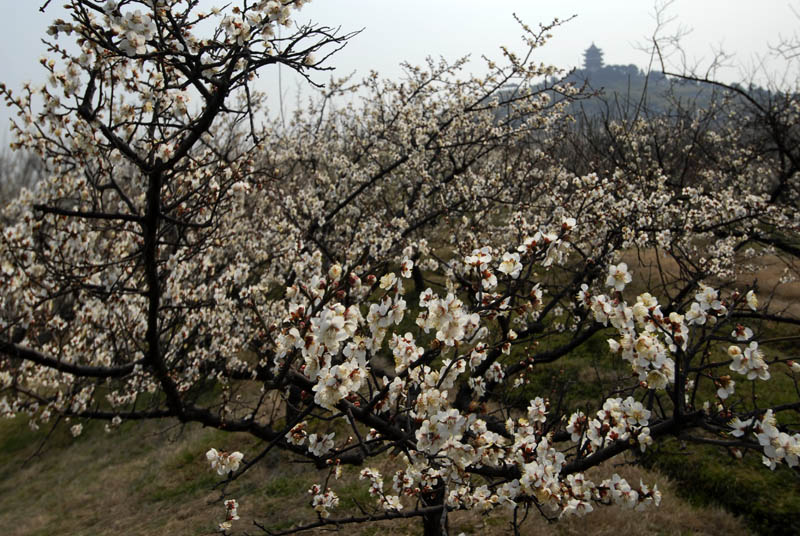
[
  {"x": 784, "y": 298},
  {"x": 153, "y": 479}
]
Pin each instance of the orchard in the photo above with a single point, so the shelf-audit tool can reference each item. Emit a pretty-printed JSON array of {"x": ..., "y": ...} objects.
[{"x": 376, "y": 284}]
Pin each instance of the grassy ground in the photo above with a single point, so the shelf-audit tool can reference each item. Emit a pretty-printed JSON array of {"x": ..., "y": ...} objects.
[
  {"x": 152, "y": 478},
  {"x": 145, "y": 479}
]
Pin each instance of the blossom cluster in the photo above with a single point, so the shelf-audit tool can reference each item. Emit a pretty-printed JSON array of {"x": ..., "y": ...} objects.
[
  {"x": 779, "y": 447},
  {"x": 647, "y": 339},
  {"x": 323, "y": 501},
  {"x": 231, "y": 514},
  {"x": 749, "y": 362},
  {"x": 619, "y": 420},
  {"x": 387, "y": 502},
  {"x": 224, "y": 462},
  {"x": 134, "y": 28}
]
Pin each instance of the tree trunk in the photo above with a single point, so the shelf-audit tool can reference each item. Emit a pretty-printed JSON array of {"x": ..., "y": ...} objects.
[{"x": 435, "y": 524}]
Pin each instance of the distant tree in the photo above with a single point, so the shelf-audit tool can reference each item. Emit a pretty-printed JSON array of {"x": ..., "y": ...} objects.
[{"x": 17, "y": 170}]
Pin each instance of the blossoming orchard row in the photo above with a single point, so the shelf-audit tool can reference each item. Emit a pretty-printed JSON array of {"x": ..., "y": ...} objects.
[{"x": 387, "y": 276}]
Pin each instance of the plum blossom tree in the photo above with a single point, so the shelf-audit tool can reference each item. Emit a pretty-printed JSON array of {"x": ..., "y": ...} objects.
[{"x": 383, "y": 278}]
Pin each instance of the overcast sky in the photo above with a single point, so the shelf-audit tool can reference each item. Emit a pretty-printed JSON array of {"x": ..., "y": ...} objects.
[{"x": 398, "y": 30}]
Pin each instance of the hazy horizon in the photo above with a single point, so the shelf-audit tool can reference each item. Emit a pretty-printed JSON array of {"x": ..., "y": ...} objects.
[{"x": 412, "y": 30}]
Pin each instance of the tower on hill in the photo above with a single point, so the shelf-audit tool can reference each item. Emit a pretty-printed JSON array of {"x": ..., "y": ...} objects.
[{"x": 593, "y": 59}]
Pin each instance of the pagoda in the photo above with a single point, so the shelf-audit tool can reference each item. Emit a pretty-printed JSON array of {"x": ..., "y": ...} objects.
[{"x": 593, "y": 59}]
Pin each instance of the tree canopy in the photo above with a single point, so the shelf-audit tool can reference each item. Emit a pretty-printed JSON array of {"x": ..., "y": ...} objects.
[{"x": 384, "y": 278}]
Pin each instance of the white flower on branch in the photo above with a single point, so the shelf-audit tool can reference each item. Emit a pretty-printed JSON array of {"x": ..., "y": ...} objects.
[{"x": 224, "y": 462}]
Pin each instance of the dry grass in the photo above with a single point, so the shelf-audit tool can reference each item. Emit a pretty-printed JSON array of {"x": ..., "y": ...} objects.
[
  {"x": 674, "y": 516},
  {"x": 149, "y": 480},
  {"x": 648, "y": 267},
  {"x": 782, "y": 298},
  {"x": 138, "y": 480}
]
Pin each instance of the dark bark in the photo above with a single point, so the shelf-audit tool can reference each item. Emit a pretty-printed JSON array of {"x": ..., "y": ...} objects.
[{"x": 435, "y": 523}]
